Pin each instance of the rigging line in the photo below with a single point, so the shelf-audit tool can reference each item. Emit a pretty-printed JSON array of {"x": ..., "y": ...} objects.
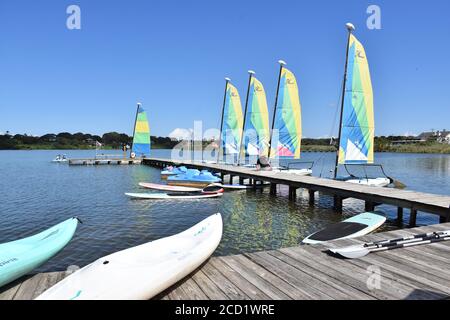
[{"x": 333, "y": 125}]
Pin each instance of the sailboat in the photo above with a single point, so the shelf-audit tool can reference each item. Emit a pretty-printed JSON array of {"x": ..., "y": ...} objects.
[
  {"x": 255, "y": 136},
  {"x": 141, "y": 135},
  {"x": 286, "y": 134},
  {"x": 231, "y": 123},
  {"x": 357, "y": 128}
]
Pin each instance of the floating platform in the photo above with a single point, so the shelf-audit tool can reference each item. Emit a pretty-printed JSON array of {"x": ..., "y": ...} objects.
[
  {"x": 340, "y": 190},
  {"x": 305, "y": 272},
  {"x": 98, "y": 162}
]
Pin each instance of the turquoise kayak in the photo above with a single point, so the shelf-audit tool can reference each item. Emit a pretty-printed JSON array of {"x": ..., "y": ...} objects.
[{"x": 17, "y": 258}]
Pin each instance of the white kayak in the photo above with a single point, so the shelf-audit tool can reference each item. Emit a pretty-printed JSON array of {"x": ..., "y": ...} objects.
[
  {"x": 142, "y": 272},
  {"x": 372, "y": 182},
  {"x": 353, "y": 227},
  {"x": 299, "y": 172},
  {"x": 165, "y": 187},
  {"x": 165, "y": 196}
]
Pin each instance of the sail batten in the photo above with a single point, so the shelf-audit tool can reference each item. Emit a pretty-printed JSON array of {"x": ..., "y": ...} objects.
[
  {"x": 287, "y": 130},
  {"x": 141, "y": 136},
  {"x": 232, "y": 121},
  {"x": 357, "y": 127},
  {"x": 256, "y": 131}
]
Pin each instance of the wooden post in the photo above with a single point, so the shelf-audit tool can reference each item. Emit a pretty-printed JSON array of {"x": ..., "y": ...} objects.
[
  {"x": 292, "y": 193},
  {"x": 312, "y": 194},
  {"x": 412, "y": 218},
  {"x": 241, "y": 180},
  {"x": 231, "y": 179},
  {"x": 338, "y": 204},
  {"x": 369, "y": 206},
  {"x": 273, "y": 188},
  {"x": 400, "y": 215},
  {"x": 253, "y": 183},
  {"x": 222, "y": 176}
]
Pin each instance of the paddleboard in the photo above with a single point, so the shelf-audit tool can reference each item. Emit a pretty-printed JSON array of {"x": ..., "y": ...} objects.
[
  {"x": 17, "y": 258},
  {"x": 144, "y": 271},
  {"x": 353, "y": 227},
  {"x": 164, "y": 187},
  {"x": 166, "y": 196}
]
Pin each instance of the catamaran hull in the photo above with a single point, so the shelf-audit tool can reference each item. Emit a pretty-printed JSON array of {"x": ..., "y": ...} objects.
[{"x": 375, "y": 182}]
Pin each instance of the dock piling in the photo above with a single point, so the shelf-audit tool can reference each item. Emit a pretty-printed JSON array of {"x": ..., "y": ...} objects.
[{"x": 412, "y": 218}]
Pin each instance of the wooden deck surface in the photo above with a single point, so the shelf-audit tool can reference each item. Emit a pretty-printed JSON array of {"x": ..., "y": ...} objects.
[{"x": 303, "y": 272}]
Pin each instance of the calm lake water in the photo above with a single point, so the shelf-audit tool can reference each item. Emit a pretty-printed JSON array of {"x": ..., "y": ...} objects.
[{"x": 36, "y": 194}]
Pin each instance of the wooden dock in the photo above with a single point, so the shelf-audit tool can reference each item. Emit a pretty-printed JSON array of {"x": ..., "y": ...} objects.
[
  {"x": 373, "y": 196},
  {"x": 97, "y": 162},
  {"x": 303, "y": 272}
]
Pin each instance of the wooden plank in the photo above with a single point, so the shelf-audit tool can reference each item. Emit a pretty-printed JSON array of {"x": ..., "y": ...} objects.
[
  {"x": 307, "y": 285},
  {"x": 26, "y": 290},
  {"x": 210, "y": 289},
  {"x": 238, "y": 280},
  {"x": 357, "y": 274},
  {"x": 192, "y": 291},
  {"x": 47, "y": 281},
  {"x": 10, "y": 290},
  {"x": 223, "y": 283},
  {"x": 263, "y": 285},
  {"x": 339, "y": 289}
]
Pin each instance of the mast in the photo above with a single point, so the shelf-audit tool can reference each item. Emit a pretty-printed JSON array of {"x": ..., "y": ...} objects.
[
  {"x": 134, "y": 128},
  {"x": 350, "y": 28},
  {"x": 282, "y": 64},
  {"x": 251, "y": 73},
  {"x": 223, "y": 112}
]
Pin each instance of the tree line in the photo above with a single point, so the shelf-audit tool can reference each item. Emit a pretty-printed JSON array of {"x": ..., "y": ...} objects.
[{"x": 79, "y": 140}]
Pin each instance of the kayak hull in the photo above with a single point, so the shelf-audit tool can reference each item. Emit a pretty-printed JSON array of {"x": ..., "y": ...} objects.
[
  {"x": 141, "y": 272},
  {"x": 164, "y": 187},
  {"x": 18, "y": 258},
  {"x": 168, "y": 196}
]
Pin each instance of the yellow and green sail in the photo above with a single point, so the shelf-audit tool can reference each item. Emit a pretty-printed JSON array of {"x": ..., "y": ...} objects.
[
  {"x": 287, "y": 129},
  {"x": 256, "y": 131},
  {"x": 357, "y": 131},
  {"x": 232, "y": 121},
  {"x": 141, "y": 137}
]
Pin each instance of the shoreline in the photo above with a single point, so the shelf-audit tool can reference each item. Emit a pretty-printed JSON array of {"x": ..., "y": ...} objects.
[{"x": 445, "y": 150}]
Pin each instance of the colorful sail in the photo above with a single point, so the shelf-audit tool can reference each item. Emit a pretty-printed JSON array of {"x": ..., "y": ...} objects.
[
  {"x": 232, "y": 121},
  {"x": 141, "y": 137},
  {"x": 357, "y": 132},
  {"x": 256, "y": 131},
  {"x": 287, "y": 129}
]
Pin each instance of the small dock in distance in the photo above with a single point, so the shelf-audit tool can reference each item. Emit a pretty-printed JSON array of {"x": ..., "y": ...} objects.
[
  {"x": 97, "y": 162},
  {"x": 302, "y": 273},
  {"x": 373, "y": 196}
]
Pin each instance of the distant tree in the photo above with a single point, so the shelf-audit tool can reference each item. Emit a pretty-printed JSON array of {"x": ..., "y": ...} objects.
[{"x": 65, "y": 135}]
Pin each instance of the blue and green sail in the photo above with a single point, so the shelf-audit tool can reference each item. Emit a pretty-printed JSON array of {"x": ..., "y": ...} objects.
[
  {"x": 357, "y": 131},
  {"x": 232, "y": 121},
  {"x": 287, "y": 129},
  {"x": 256, "y": 131},
  {"x": 141, "y": 137}
]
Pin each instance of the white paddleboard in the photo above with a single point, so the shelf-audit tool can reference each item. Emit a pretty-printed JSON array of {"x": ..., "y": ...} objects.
[
  {"x": 165, "y": 196},
  {"x": 353, "y": 227},
  {"x": 142, "y": 272},
  {"x": 164, "y": 187}
]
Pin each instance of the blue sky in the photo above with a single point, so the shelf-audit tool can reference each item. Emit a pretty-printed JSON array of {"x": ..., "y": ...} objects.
[{"x": 173, "y": 57}]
